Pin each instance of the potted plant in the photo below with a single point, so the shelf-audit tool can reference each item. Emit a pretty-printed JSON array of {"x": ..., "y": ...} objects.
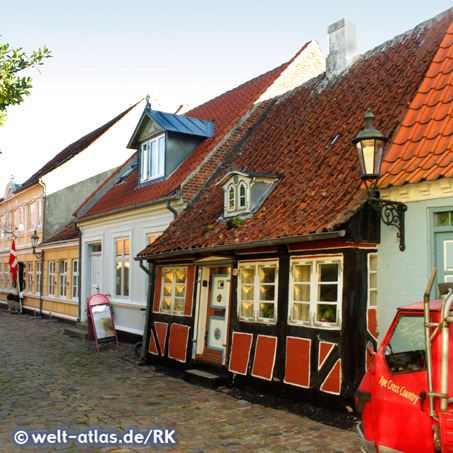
[{"x": 327, "y": 313}]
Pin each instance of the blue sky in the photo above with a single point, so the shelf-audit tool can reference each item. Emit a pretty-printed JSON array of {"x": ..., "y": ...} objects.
[{"x": 108, "y": 54}]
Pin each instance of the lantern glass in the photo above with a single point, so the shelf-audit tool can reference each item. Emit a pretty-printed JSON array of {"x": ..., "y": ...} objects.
[
  {"x": 34, "y": 239},
  {"x": 370, "y": 148}
]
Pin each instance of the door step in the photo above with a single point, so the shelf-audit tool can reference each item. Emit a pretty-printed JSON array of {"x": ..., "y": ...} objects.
[
  {"x": 205, "y": 379},
  {"x": 80, "y": 330}
]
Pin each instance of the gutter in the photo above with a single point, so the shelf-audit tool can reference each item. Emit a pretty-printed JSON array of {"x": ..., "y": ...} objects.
[{"x": 247, "y": 245}]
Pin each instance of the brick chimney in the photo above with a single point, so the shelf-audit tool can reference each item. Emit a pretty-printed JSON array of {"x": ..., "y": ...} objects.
[{"x": 342, "y": 47}]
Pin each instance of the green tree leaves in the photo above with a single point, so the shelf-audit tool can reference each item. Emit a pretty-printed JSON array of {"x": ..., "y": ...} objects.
[{"x": 13, "y": 87}]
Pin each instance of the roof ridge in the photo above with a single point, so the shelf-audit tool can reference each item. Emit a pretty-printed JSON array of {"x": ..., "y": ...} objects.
[
  {"x": 73, "y": 149},
  {"x": 281, "y": 68}
]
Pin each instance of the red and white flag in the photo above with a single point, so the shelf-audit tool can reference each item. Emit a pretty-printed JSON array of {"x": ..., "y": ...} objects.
[{"x": 13, "y": 261}]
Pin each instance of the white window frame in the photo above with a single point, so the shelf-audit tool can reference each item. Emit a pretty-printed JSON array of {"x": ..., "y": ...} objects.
[
  {"x": 38, "y": 278},
  {"x": 75, "y": 279},
  {"x": 122, "y": 267},
  {"x": 152, "y": 158},
  {"x": 7, "y": 272},
  {"x": 1, "y": 277},
  {"x": 233, "y": 204},
  {"x": 52, "y": 278},
  {"x": 255, "y": 302},
  {"x": 29, "y": 277},
  {"x": 21, "y": 220},
  {"x": 314, "y": 284},
  {"x": 169, "y": 291},
  {"x": 34, "y": 220},
  {"x": 63, "y": 277},
  {"x": 372, "y": 280}
]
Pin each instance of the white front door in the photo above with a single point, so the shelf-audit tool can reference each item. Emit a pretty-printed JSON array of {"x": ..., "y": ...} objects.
[
  {"x": 214, "y": 300},
  {"x": 95, "y": 273}
]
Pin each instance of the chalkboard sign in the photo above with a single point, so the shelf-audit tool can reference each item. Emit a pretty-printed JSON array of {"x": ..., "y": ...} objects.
[{"x": 100, "y": 321}]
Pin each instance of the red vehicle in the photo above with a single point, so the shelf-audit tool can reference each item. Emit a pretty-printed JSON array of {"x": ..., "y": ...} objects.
[{"x": 404, "y": 397}]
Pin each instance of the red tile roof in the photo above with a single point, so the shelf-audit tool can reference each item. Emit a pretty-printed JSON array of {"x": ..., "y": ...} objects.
[
  {"x": 422, "y": 149},
  {"x": 305, "y": 139},
  {"x": 75, "y": 148},
  {"x": 66, "y": 234},
  {"x": 226, "y": 111}
]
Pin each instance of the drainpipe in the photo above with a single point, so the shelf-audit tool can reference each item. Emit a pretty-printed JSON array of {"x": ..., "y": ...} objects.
[
  {"x": 79, "y": 290},
  {"x": 151, "y": 279},
  {"x": 173, "y": 210},
  {"x": 44, "y": 202},
  {"x": 42, "y": 279}
]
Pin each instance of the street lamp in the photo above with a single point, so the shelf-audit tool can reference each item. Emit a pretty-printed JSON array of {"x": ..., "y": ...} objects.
[
  {"x": 34, "y": 243},
  {"x": 370, "y": 149}
]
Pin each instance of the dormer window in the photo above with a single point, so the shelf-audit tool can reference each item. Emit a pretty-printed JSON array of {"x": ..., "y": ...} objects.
[
  {"x": 238, "y": 193},
  {"x": 245, "y": 192},
  {"x": 152, "y": 155},
  {"x": 164, "y": 141}
]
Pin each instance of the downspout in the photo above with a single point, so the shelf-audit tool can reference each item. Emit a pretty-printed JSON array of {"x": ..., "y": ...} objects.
[
  {"x": 151, "y": 279},
  {"x": 44, "y": 203},
  {"x": 172, "y": 210},
  {"x": 79, "y": 290}
]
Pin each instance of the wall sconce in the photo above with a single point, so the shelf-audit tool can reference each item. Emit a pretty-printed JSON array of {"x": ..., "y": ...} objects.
[
  {"x": 34, "y": 243},
  {"x": 370, "y": 148}
]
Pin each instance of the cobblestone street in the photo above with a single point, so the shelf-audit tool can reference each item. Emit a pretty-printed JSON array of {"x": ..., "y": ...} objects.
[{"x": 49, "y": 380}]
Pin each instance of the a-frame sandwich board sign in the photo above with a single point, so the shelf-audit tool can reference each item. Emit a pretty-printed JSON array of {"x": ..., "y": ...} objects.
[{"x": 100, "y": 321}]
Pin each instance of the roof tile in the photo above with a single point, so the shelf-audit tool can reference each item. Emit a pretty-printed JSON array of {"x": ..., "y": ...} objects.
[
  {"x": 225, "y": 110},
  {"x": 319, "y": 187},
  {"x": 428, "y": 126}
]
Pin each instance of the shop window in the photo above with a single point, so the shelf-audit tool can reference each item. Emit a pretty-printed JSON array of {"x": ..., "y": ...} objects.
[
  {"x": 174, "y": 286},
  {"x": 122, "y": 260},
  {"x": 316, "y": 291},
  {"x": 257, "y": 291}
]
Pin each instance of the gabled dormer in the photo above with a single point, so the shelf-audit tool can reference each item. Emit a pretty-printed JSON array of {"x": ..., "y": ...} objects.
[
  {"x": 245, "y": 192},
  {"x": 164, "y": 141}
]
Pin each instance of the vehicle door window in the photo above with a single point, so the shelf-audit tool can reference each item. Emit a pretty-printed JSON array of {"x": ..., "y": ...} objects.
[{"x": 405, "y": 350}]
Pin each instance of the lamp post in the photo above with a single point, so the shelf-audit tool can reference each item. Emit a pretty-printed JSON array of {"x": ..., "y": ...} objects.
[
  {"x": 370, "y": 148},
  {"x": 34, "y": 243}
]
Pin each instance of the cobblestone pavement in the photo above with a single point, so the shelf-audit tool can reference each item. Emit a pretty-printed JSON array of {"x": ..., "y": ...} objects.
[{"x": 49, "y": 380}]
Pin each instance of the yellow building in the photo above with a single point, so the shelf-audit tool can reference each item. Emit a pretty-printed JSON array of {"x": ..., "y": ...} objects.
[
  {"x": 21, "y": 214},
  {"x": 49, "y": 272}
]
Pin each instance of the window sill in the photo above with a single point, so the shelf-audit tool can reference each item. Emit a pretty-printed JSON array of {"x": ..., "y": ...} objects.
[
  {"x": 259, "y": 321},
  {"x": 318, "y": 325}
]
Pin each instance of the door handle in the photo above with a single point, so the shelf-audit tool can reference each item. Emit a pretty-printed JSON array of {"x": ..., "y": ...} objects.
[{"x": 422, "y": 400}]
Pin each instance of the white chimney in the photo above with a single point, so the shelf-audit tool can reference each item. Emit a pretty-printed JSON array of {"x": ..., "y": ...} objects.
[{"x": 342, "y": 47}]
